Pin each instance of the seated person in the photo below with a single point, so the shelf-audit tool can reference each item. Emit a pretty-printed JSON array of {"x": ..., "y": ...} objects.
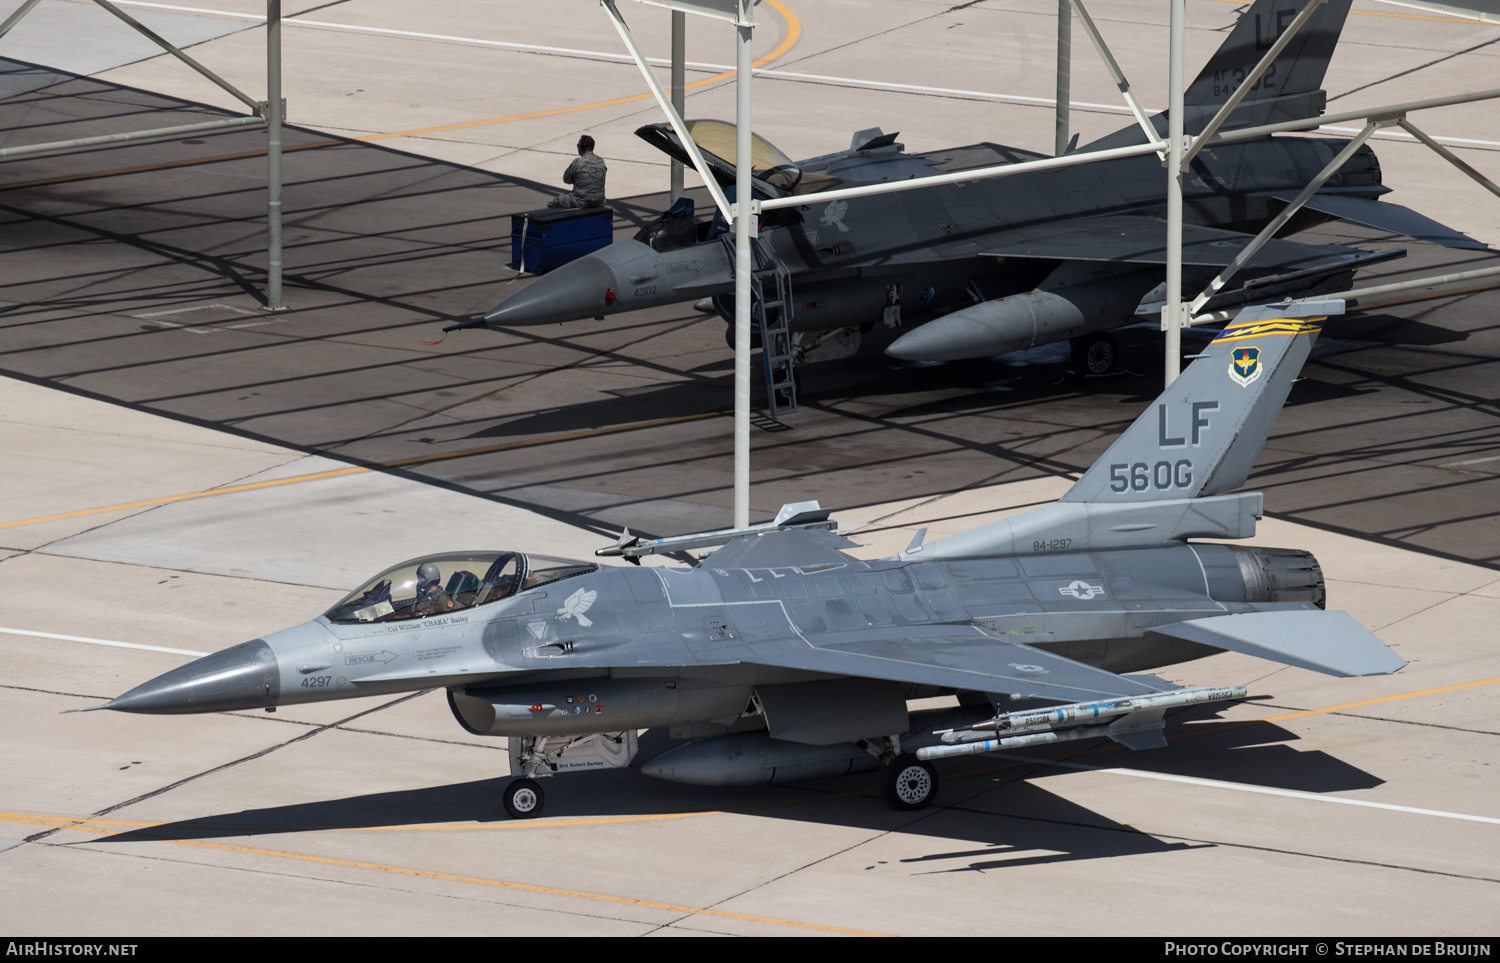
[
  {"x": 430, "y": 599},
  {"x": 586, "y": 174}
]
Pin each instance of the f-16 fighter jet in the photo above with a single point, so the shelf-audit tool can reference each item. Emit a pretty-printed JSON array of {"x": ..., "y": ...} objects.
[
  {"x": 785, "y": 658},
  {"x": 995, "y": 266}
]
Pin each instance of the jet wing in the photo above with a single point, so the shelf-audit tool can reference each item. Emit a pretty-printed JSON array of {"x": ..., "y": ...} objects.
[
  {"x": 1135, "y": 239},
  {"x": 1384, "y": 216},
  {"x": 960, "y": 656},
  {"x": 1328, "y": 642}
]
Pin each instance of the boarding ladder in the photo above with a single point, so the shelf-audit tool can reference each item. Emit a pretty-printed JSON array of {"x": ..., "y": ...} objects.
[
  {"x": 771, "y": 315},
  {"x": 771, "y": 301}
]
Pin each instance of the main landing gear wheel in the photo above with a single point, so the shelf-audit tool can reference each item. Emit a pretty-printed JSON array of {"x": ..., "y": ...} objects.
[
  {"x": 909, "y": 783},
  {"x": 754, "y": 335},
  {"x": 524, "y": 798},
  {"x": 1095, "y": 355}
]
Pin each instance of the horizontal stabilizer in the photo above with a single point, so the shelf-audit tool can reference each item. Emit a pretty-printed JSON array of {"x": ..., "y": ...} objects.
[
  {"x": 1328, "y": 642},
  {"x": 1384, "y": 216}
]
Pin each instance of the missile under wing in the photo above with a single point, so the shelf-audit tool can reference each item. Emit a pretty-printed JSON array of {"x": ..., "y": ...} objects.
[{"x": 781, "y": 656}]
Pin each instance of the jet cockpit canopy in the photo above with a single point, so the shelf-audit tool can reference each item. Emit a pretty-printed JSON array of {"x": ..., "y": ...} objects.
[
  {"x": 439, "y": 584},
  {"x": 775, "y": 173}
]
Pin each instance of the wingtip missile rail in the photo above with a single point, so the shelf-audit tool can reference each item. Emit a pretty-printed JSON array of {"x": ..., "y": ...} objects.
[{"x": 795, "y": 515}]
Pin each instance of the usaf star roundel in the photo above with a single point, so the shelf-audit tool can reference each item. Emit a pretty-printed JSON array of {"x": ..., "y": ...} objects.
[{"x": 1244, "y": 365}]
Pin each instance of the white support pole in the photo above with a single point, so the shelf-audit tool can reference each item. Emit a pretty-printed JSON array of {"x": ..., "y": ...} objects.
[
  {"x": 1115, "y": 73},
  {"x": 1064, "y": 74},
  {"x": 1172, "y": 316},
  {"x": 177, "y": 131},
  {"x": 1252, "y": 78},
  {"x": 675, "y": 118},
  {"x": 1449, "y": 156},
  {"x": 744, "y": 217},
  {"x": 161, "y": 42},
  {"x": 1388, "y": 112},
  {"x": 679, "y": 79},
  {"x": 1269, "y": 231},
  {"x": 273, "y": 154},
  {"x": 1427, "y": 282},
  {"x": 1391, "y": 112},
  {"x": 16, "y": 16},
  {"x": 963, "y": 177}
]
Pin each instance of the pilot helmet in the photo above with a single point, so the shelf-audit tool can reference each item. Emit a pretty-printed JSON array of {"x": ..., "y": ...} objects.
[{"x": 428, "y": 577}]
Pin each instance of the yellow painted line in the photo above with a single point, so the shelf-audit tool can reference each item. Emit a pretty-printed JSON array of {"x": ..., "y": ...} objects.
[
  {"x": 60, "y": 822},
  {"x": 516, "y": 824},
  {"x": 482, "y": 881},
  {"x": 1372, "y": 702},
  {"x": 355, "y": 469},
  {"x": 793, "y": 34},
  {"x": 1226, "y": 726}
]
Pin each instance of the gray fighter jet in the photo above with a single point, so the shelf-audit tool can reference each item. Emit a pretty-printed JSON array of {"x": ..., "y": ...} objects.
[
  {"x": 995, "y": 266},
  {"x": 785, "y": 658}
]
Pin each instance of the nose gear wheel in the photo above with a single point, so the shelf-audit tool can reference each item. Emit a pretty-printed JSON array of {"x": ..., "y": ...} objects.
[
  {"x": 524, "y": 799},
  {"x": 908, "y": 783}
]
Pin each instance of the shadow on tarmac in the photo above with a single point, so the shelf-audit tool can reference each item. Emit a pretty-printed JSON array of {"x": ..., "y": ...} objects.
[
  {"x": 383, "y": 248},
  {"x": 1003, "y": 804}
]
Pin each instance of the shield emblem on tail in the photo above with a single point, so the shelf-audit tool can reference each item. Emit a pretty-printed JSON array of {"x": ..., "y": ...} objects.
[{"x": 1244, "y": 365}]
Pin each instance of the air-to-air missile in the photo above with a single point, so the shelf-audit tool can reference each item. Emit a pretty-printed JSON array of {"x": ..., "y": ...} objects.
[
  {"x": 974, "y": 269},
  {"x": 783, "y": 657}
]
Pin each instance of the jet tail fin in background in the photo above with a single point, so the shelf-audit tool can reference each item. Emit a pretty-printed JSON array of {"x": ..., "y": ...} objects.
[
  {"x": 1204, "y": 432},
  {"x": 1290, "y": 89}
]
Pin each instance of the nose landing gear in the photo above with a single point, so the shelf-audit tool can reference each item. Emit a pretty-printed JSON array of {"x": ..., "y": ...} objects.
[
  {"x": 908, "y": 783},
  {"x": 524, "y": 798}
]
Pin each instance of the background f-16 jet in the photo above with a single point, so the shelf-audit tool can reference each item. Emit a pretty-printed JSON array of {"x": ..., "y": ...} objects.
[{"x": 971, "y": 270}]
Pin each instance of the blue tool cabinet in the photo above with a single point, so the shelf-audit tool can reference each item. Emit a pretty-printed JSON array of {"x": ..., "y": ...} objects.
[{"x": 551, "y": 237}]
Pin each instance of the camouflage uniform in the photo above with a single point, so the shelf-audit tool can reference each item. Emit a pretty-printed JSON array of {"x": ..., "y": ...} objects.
[{"x": 586, "y": 174}]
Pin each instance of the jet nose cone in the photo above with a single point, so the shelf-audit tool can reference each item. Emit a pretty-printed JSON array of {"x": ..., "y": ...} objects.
[
  {"x": 244, "y": 676},
  {"x": 577, "y": 290}
]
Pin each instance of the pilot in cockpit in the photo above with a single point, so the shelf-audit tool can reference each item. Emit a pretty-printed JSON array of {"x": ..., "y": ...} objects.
[{"x": 430, "y": 600}]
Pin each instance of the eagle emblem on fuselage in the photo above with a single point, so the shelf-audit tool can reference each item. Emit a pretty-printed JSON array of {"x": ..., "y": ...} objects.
[
  {"x": 833, "y": 215},
  {"x": 576, "y": 604}
]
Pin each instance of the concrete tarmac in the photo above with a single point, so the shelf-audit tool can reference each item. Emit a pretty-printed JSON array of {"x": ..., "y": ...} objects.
[{"x": 144, "y": 383}]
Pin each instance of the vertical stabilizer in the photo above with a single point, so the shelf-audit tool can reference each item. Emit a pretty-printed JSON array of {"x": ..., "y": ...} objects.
[
  {"x": 1290, "y": 89},
  {"x": 1202, "y": 435}
]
